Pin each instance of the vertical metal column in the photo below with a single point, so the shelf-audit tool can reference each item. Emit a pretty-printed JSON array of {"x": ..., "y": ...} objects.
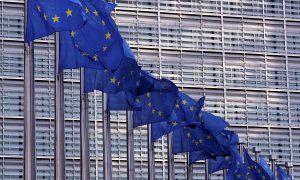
[
  {"x": 241, "y": 145},
  {"x": 207, "y": 176},
  {"x": 171, "y": 175},
  {"x": 107, "y": 165},
  {"x": 224, "y": 174},
  {"x": 130, "y": 146},
  {"x": 84, "y": 132},
  {"x": 289, "y": 166},
  {"x": 256, "y": 151},
  {"x": 60, "y": 154},
  {"x": 151, "y": 166},
  {"x": 273, "y": 159},
  {"x": 29, "y": 161},
  {"x": 189, "y": 168}
]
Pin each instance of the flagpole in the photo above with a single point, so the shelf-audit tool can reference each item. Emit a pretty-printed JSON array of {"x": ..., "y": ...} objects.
[
  {"x": 189, "y": 167},
  {"x": 256, "y": 151},
  {"x": 273, "y": 158},
  {"x": 29, "y": 160},
  {"x": 84, "y": 131},
  {"x": 130, "y": 146},
  {"x": 107, "y": 164},
  {"x": 207, "y": 176},
  {"x": 150, "y": 155},
  {"x": 171, "y": 175},
  {"x": 60, "y": 155},
  {"x": 224, "y": 174},
  {"x": 241, "y": 144},
  {"x": 289, "y": 166}
]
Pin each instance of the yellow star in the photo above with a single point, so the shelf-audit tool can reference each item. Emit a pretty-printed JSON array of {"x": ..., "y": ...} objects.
[
  {"x": 263, "y": 177},
  {"x": 76, "y": 45},
  {"x": 107, "y": 35},
  {"x": 177, "y": 106},
  {"x": 159, "y": 113},
  {"x": 184, "y": 102},
  {"x": 39, "y": 8},
  {"x": 200, "y": 115},
  {"x": 69, "y": 12},
  {"x": 95, "y": 12},
  {"x": 200, "y": 141},
  {"x": 153, "y": 111},
  {"x": 118, "y": 83},
  {"x": 188, "y": 134},
  {"x": 149, "y": 104},
  {"x": 137, "y": 100},
  {"x": 238, "y": 175},
  {"x": 148, "y": 94},
  {"x": 209, "y": 137},
  {"x": 103, "y": 23},
  {"x": 191, "y": 108},
  {"x": 73, "y": 33},
  {"x": 197, "y": 143},
  {"x": 86, "y": 10},
  {"x": 55, "y": 18},
  {"x": 95, "y": 57},
  {"x": 193, "y": 141},
  {"x": 84, "y": 53},
  {"x": 104, "y": 48},
  {"x": 45, "y": 17},
  {"x": 113, "y": 80},
  {"x": 174, "y": 123},
  {"x": 227, "y": 157}
]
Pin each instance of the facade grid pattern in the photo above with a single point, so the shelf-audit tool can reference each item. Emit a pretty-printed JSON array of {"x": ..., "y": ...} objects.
[{"x": 243, "y": 55}]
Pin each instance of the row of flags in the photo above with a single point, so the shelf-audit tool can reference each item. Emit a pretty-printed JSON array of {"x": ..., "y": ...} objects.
[{"x": 89, "y": 38}]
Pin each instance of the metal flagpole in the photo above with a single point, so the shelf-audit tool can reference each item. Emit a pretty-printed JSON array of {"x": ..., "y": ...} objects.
[
  {"x": 207, "y": 176},
  {"x": 60, "y": 155},
  {"x": 29, "y": 108},
  {"x": 189, "y": 167},
  {"x": 256, "y": 150},
  {"x": 273, "y": 158},
  {"x": 84, "y": 132},
  {"x": 130, "y": 146},
  {"x": 289, "y": 166},
  {"x": 241, "y": 151},
  {"x": 107, "y": 165},
  {"x": 171, "y": 174},
  {"x": 150, "y": 155},
  {"x": 224, "y": 174}
]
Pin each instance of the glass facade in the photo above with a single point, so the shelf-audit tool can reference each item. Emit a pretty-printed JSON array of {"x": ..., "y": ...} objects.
[{"x": 243, "y": 55}]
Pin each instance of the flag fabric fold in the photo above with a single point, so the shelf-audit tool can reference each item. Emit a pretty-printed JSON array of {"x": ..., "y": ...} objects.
[
  {"x": 281, "y": 174},
  {"x": 47, "y": 17}
]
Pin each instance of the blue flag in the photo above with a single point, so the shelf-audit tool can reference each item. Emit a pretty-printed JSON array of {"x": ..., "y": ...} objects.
[
  {"x": 281, "y": 174},
  {"x": 98, "y": 41},
  {"x": 254, "y": 169},
  {"x": 156, "y": 104},
  {"x": 47, "y": 17},
  {"x": 182, "y": 111},
  {"x": 266, "y": 167},
  {"x": 228, "y": 143},
  {"x": 194, "y": 137},
  {"x": 125, "y": 78}
]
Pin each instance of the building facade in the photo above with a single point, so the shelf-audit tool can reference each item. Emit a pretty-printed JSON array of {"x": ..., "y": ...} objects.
[{"x": 243, "y": 55}]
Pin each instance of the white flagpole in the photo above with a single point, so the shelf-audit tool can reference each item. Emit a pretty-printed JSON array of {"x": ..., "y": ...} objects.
[
  {"x": 224, "y": 174},
  {"x": 107, "y": 164},
  {"x": 130, "y": 146},
  {"x": 289, "y": 168},
  {"x": 29, "y": 108},
  {"x": 171, "y": 174},
  {"x": 60, "y": 147},
  {"x": 84, "y": 132},
  {"x": 207, "y": 175},
  {"x": 273, "y": 159},
  {"x": 256, "y": 151},
  {"x": 151, "y": 166}
]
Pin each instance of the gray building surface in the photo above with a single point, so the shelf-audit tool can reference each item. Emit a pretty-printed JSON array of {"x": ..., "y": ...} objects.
[{"x": 243, "y": 55}]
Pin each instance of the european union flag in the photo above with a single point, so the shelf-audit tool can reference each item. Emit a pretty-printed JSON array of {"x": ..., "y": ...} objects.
[
  {"x": 156, "y": 104},
  {"x": 124, "y": 78},
  {"x": 182, "y": 111},
  {"x": 98, "y": 41},
  {"x": 47, "y": 17},
  {"x": 266, "y": 167},
  {"x": 214, "y": 124},
  {"x": 228, "y": 142},
  {"x": 281, "y": 174},
  {"x": 254, "y": 169},
  {"x": 194, "y": 137}
]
